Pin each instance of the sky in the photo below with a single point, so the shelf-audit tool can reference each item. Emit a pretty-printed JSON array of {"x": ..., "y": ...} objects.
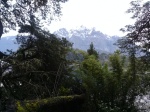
[{"x": 107, "y": 16}]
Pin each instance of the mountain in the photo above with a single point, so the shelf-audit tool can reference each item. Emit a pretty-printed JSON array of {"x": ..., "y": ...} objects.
[{"x": 82, "y": 38}]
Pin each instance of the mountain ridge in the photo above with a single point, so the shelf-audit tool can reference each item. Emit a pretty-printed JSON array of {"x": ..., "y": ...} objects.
[{"x": 81, "y": 39}]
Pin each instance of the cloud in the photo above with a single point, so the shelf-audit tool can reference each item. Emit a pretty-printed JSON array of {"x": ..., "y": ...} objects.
[{"x": 107, "y": 16}]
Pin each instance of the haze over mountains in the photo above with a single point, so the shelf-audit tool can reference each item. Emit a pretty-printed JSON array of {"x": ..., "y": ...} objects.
[{"x": 81, "y": 39}]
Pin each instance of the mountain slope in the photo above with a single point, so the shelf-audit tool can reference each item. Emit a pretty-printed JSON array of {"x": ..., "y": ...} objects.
[{"x": 82, "y": 37}]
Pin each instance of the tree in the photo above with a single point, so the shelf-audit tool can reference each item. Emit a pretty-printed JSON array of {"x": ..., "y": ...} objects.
[
  {"x": 121, "y": 84},
  {"x": 110, "y": 87},
  {"x": 36, "y": 68},
  {"x": 92, "y": 51},
  {"x": 1, "y": 29},
  {"x": 137, "y": 40},
  {"x": 92, "y": 80},
  {"x": 20, "y": 12},
  {"x": 117, "y": 64},
  {"x": 137, "y": 45}
]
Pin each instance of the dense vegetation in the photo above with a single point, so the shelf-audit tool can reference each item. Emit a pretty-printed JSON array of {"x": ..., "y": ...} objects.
[{"x": 47, "y": 74}]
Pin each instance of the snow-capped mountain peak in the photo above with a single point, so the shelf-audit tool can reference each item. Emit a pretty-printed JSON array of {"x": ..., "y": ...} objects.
[{"x": 82, "y": 37}]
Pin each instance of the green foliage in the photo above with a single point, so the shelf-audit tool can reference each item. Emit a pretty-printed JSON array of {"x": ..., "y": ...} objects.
[
  {"x": 137, "y": 39},
  {"x": 76, "y": 56},
  {"x": 110, "y": 87},
  {"x": 92, "y": 51},
  {"x": 91, "y": 65},
  {"x": 117, "y": 64},
  {"x": 19, "y": 12},
  {"x": 136, "y": 45},
  {"x": 46, "y": 66},
  {"x": 55, "y": 104},
  {"x": 36, "y": 66}
]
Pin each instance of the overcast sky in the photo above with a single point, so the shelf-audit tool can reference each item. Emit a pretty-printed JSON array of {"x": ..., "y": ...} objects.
[{"x": 108, "y": 16}]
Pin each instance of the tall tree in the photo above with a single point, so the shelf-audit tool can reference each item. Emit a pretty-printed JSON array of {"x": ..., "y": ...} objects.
[
  {"x": 137, "y": 44},
  {"x": 19, "y": 12},
  {"x": 34, "y": 71},
  {"x": 110, "y": 88},
  {"x": 137, "y": 40},
  {"x": 92, "y": 51},
  {"x": 1, "y": 29}
]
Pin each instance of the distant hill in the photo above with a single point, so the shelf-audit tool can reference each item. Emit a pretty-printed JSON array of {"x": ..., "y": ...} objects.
[{"x": 82, "y": 37}]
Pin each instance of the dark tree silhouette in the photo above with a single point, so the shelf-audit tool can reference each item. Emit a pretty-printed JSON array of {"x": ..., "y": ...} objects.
[
  {"x": 2, "y": 55},
  {"x": 92, "y": 51},
  {"x": 1, "y": 29},
  {"x": 20, "y": 12},
  {"x": 137, "y": 40}
]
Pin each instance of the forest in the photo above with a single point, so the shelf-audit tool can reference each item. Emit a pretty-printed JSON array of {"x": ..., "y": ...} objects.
[{"x": 46, "y": 74}]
